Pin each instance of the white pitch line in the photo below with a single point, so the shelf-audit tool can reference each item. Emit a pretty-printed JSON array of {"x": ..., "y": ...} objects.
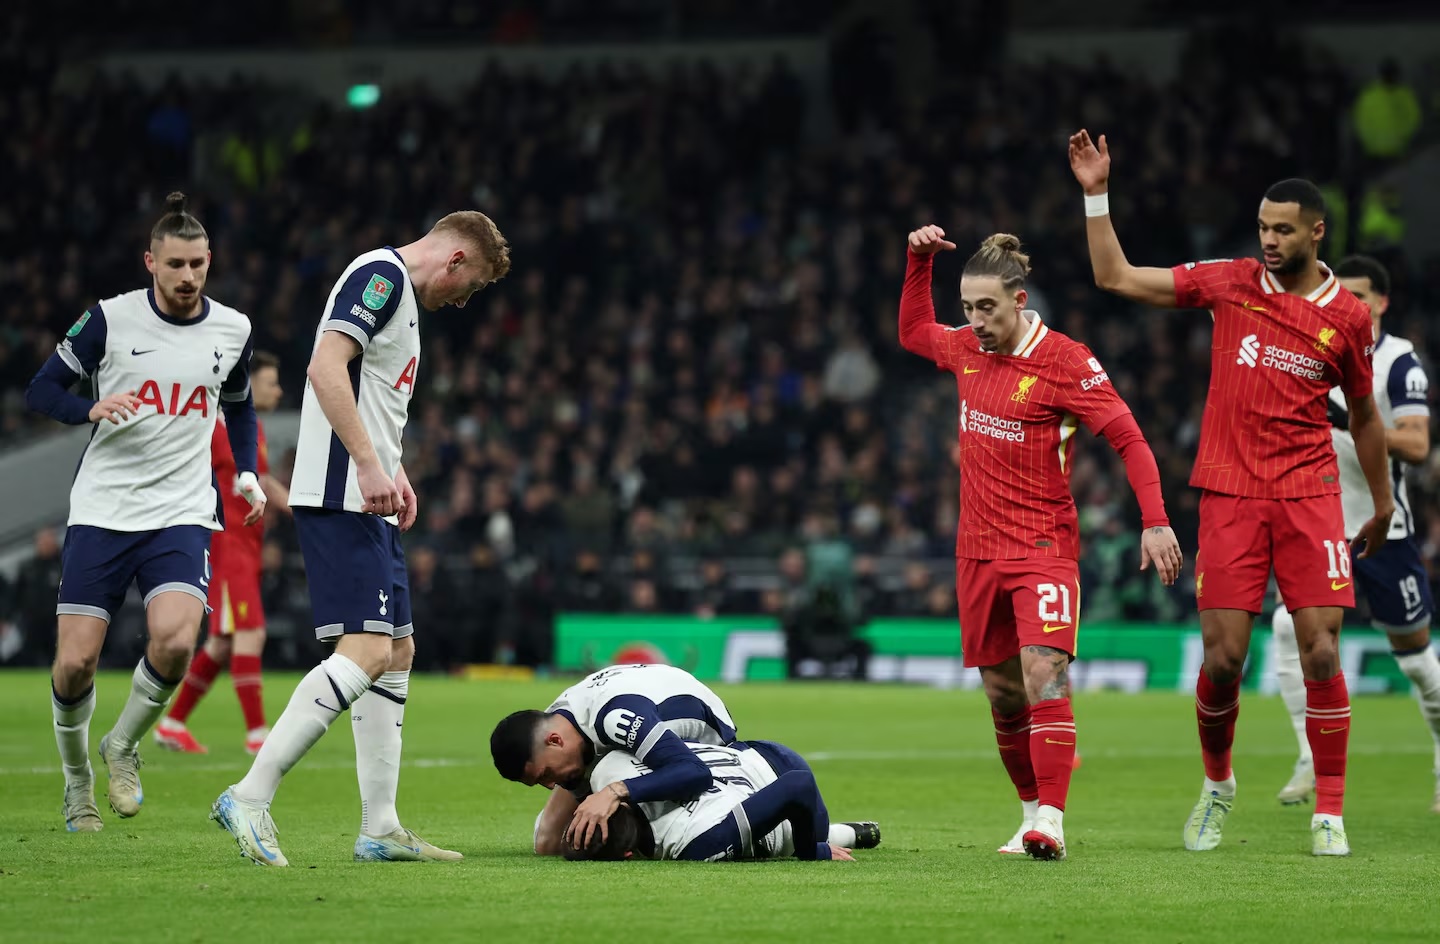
[
  {"x": 1362, "y": 749},
  {"x": 206, "y": 768},
  {"x": 819, "y": 757}
]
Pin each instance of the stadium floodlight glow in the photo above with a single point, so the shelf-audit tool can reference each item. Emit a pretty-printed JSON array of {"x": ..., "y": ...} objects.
[{"x": 364, "y": 95}]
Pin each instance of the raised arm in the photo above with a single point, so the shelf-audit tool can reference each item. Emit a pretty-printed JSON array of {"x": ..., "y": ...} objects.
[
  {"x": 1113, "y": 272},
  {"x": 919, "y": 332}
]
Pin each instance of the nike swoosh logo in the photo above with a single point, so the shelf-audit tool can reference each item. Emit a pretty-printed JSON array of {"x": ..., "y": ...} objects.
[
  {"x": 260, "y": 845},
  {"x": 135, "y": 353},
  {"x": 1253, "y": 307},
  {"x": 972, "y": 370},
  {"x": 1332, "y": 730},
  {"x": 1061, "y": 743},
  {"x": 1414, "y": 616},
  {"x": 398, "y": 724},
  {"x": 1336, "y": 585},
  {"x": 326, "y": 707},
  {"x": 1054, "y": 629},
  {"x": 414, "y": 323}
]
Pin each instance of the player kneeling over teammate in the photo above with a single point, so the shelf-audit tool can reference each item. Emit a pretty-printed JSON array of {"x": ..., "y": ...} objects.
[
  {"x": 1393, "y": 581},
  {"x": 763, "y": 804},
  {"x": 1024, "y": 391},
  {"x": 645, "y": 711},
  {"x": 237, "y": 617},
  {"x": 142, "y": 506}
]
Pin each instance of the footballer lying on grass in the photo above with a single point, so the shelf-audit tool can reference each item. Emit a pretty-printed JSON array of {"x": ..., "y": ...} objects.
[{"x": 763, "y": 804}]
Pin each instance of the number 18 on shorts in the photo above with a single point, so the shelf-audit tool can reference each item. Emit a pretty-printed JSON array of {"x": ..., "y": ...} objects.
[{"x": 1006, "y": 605}]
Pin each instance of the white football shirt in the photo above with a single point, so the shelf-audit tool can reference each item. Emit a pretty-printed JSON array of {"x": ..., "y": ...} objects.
[
  {"x": 611, "y": 707},
  {"x": 373, "y": 302},
  {"x": 739, "y": 775},
  {"x": 1401, "y": 389},
  {"x": 153, "y": 470}
]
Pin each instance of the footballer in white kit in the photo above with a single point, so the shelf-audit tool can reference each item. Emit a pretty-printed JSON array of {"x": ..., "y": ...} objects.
[
  {"x": 161, "y": 362},
  {"x": 645, "y": 712},
  {"x": 351, "y": 501},
  {"x": 1393, "y": 581},
  {"x": 763, "y": 804}
]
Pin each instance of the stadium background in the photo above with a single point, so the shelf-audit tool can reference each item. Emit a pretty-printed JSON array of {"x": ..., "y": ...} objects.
[{"x": 684, "y": 421}]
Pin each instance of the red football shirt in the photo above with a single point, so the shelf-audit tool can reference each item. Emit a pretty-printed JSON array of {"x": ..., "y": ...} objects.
[
  {"x": 236, "y": 538},
  {"x": 1018, "y": 416},
  {"x": 1274, "y": 358}
]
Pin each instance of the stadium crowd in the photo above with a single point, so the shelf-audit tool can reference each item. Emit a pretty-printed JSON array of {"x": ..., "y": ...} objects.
[{"x": 693, "y": 366}]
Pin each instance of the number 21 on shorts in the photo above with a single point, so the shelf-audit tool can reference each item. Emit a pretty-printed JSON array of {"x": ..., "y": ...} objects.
[
  {"x": 1054, "y": 603},
  {"x": 1339, "y": 555}
]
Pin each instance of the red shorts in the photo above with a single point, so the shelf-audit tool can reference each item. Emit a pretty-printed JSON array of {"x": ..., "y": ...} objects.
[
  {"x": 1008, "y": 604},
  {"x": 1241, "y": 539},
  {"x": 234, "y": 599}
]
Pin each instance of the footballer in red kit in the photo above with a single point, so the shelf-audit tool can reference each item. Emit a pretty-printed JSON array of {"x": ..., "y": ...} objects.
[
  {"x": 1024, "y": 391},
  {"x": 1285, "y": 333},
  {"x": 237, "y": 616}
]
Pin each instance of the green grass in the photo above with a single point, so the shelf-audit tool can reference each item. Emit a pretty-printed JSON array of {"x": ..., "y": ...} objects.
[{"x": 920, "y": 761}]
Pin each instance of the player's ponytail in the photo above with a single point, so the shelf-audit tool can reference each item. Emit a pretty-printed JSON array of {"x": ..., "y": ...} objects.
[
  {"x": 1000, "y": 256},
  {"x": 177, "y": 221}
]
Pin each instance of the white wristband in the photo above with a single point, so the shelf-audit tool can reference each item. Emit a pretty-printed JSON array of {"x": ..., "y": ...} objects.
[{"x": 1097, "y": 205}]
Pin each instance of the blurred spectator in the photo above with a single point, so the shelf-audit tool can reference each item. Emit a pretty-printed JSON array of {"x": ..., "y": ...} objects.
[
  {"x": 36, "y": 588},
  {"x": 1386, "y": 115},
  {"x": 695, "y": 358}
]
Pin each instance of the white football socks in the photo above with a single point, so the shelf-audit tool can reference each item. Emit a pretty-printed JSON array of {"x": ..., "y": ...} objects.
[
  {"x": 1423, "y": 670},
  {"x": 72, "y": 734},
  {"x": 1289, "y": 674},
  {"x": 330, "y": 688},
  {"x": 378, "y": 718},
  {"x": 148, "y": 695}
]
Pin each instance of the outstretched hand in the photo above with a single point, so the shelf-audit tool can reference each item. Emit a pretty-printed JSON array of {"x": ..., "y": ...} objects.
[
  {"x": 1090, "y": 164},
  {"x": 929, "y": 239}
]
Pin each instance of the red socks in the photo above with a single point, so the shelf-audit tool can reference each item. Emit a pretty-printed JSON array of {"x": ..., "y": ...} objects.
[
  {"x": 201, "y": 673},
  {"x": 1012, "y": 734},
  {"x": 1052, "y": 749},
  {"x": 246, "y": 672},
  {"x": 1216, "y": 708},
  {"x": 1327, "y": 727}
]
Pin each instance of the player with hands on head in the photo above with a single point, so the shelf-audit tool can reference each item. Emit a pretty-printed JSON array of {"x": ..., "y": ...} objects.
[
  {"x": 763, "y": 803},
  {"x": 1024, "y": 391},
  {"x": 647, "y": 711},
  {"x": 1285, "y": 332}
]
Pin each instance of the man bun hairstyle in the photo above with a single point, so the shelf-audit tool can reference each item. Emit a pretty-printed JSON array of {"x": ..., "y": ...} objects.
[
  {"x": 481, "y": 232},
  {"x": 1000, "y": 256},
  {"x": 1298, "y": 190},
  {"x": 1365, "y": 267},
  {"x": 177, "y": 221}
]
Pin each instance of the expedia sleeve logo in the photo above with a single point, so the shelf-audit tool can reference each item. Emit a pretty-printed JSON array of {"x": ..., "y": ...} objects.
[{"x": 622, "y": 728}]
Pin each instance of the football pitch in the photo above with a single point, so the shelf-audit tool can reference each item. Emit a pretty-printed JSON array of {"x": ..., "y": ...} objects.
[{"x": 921, "y": 761}]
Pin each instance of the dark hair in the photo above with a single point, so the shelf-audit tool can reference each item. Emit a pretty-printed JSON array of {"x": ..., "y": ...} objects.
[
  {"x": 176, "y": 222},
  {"x": 262, "y": 359},
  {"x": 1000, "y": 255},
  {"x": 481, "y": 232},
  {"x": 1297, "y": 190},
  {"x": 624, "y": 838},
  {"x": 512, "y": 743},
  {"x": 1364, "y": 267}
]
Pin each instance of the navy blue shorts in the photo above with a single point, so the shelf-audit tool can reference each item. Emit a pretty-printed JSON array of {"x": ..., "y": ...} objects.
[
  {"x": 356, "y": 570},
  {"x": 97, "y": 566},
  {"x": 1396, "y": 587}
]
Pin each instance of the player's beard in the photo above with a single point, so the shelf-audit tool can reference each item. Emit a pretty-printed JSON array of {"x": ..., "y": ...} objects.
[
  {"x": 1290, "y": 265},
  {"x": 182, "y": 305}
]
